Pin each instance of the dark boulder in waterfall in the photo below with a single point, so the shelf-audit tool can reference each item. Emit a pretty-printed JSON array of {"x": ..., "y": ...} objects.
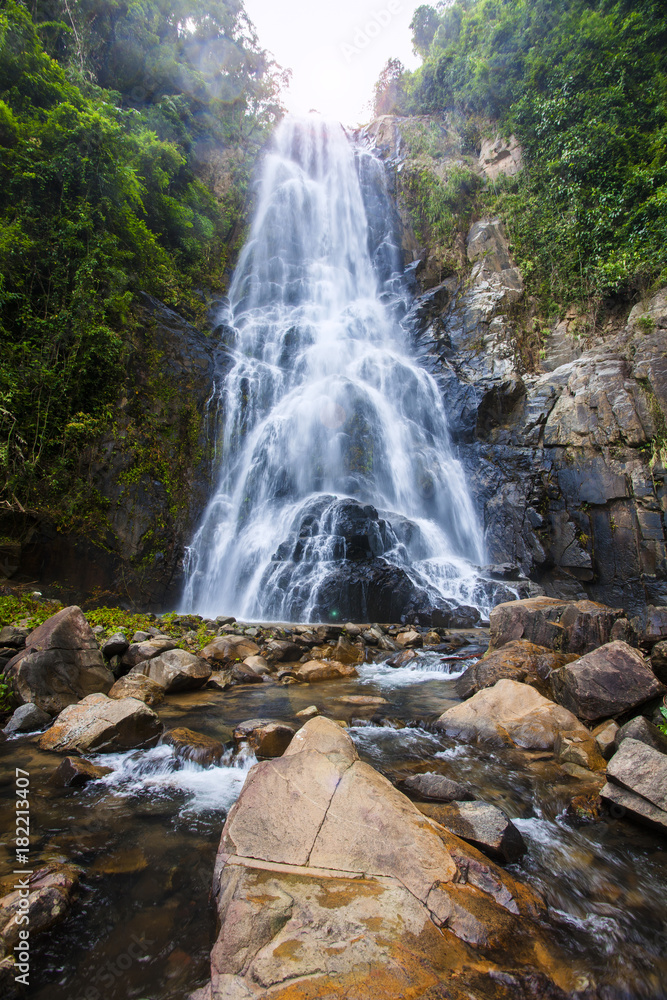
[{"x": 376, "y": 590}]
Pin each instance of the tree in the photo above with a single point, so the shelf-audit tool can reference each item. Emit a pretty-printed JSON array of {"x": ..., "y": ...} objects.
[
  {"x": 424, "y": 24},
  {"x": 389, "y": 88}
]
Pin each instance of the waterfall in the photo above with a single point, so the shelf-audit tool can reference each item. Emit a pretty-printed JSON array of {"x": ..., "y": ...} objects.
[{"x": 336, "y": 468}]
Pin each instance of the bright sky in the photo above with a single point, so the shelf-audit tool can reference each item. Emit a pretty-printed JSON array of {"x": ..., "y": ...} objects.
[{"x": 336, "y": 50}]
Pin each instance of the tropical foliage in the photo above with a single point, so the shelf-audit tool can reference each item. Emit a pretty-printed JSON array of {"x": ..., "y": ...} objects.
[
  {"x": 583, "y": 84},
  {"x": 111, "y": 111}
]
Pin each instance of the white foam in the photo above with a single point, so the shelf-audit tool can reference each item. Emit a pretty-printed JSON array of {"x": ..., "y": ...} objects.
[{"x": 159, "y": 772}]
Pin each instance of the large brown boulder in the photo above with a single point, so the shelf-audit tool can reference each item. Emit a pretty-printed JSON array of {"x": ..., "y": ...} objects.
[
  {"x": 511, "y": 713},
  {"x": 176, "y": 670},
  {"x": 637, "y": 782},
  {"x": 324, "y": 670},
  {"x": 226, "y": 650},
  {"x": 267, "y": 737},
  {"x": 566, "y": 626},
  {"x": 139, "y": 652},
  {"x": 194, "y": 746},
  {"x": 518, "y": 660},
  {"x": 607, "y": 682},
  {"x": 134, "y": 685},
  {"x": 60, "y": 664},
  {"x": 330, "y": 883},
  {"x": 104, "y": 725}
]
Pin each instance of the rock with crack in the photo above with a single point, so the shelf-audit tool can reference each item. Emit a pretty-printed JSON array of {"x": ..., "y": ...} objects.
[
  {"x": 637, "y": 782},
  {"x": 330, "y": 883}
]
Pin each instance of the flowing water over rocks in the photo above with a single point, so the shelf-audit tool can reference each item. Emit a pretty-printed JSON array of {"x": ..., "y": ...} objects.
[
  {"x": 145, "y": 836},
  {"x": 340, "y": 495}
]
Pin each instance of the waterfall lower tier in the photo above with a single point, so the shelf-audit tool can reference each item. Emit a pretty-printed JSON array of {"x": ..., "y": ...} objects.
[{"x": 339, "y": 493}]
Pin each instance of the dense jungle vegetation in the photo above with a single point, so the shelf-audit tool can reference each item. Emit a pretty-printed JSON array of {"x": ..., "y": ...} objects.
[
  {"x": 583, "y": 85},
  {"x": 111, "y": 112}
]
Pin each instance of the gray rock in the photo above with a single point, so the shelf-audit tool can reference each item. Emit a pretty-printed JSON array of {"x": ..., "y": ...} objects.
[
  {"x": 605, "y": 737},
  {"x": 432, "y": 787},
  {"x": 176, "y": 670},
  {"x": 115, "y": 645},
  {"x": 644, "y": 731},
  {"x": 637, "y": 782},
  {"x": 607, "y": 682},
  {"x": 147, "y": 649},
  {"x": 26, "y": 719},
  {"x": 61, "y": 663},
  {"x": 486, "y": 827},
  {"x": 12, "y": 636}
]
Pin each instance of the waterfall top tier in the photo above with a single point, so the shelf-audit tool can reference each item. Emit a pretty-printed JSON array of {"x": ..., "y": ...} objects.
[{"x": 339, "y": 494}]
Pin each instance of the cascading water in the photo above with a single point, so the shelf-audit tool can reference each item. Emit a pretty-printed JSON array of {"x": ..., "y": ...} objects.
[{"x": 338, "y": 481}]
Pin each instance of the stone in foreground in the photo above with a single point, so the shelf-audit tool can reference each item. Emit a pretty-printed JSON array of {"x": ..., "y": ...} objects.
[
  {"x": 485, "y": 827},
  {"x": 104, "y": 725},
  {"x": 60, "y": 663},
  {"x": 511, "y": 713},
  {"x": 609, "y": 681},
  {"x": 267, "y": 737},
  {"x": 26, "y": 719},
  {"x": 637, "y": 781},
  {"x": 330, "y": 883},
  {"x": 432, "y": 787},
  {"x": 176, "y": 670},
  {"x": 194, "y": 746}
]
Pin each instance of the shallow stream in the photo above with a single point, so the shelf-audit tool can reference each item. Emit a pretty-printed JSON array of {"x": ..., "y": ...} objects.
[{"x": 146, "y": 837}]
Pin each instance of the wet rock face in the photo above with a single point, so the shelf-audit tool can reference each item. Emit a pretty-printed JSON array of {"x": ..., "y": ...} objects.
[
  {"x": 60, "y": 664},
  {"x": 511, "y": 714},
  {"x": 104, "y": 725},
  {"x": 153, "y": 511},
  {"x": 608, "y": 681},
  {"x": 331, "y": 882},
  {"x": 637, "y": 782},
  {"x": 567, "y": 626}
]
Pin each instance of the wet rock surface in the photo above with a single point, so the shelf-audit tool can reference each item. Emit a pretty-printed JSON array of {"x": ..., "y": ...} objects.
[
  {"x": 511, "y": 713},
  {"x": 607, "y": 681},
  {"x": 485, "y": 827},
  {"x": 194, "y": 746},
  {"x": 104, "y": 725},
  {"x": 637, "y": 782},
  {"x": 266, "y": 737},
  {"x": 358, "y": 890}
]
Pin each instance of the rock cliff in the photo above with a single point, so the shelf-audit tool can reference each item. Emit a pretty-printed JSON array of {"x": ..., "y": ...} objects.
[{"x": 564, "y": 445}]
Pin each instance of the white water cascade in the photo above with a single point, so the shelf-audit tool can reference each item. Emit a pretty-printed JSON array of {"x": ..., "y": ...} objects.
[{"x": 338, "y": 482}]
